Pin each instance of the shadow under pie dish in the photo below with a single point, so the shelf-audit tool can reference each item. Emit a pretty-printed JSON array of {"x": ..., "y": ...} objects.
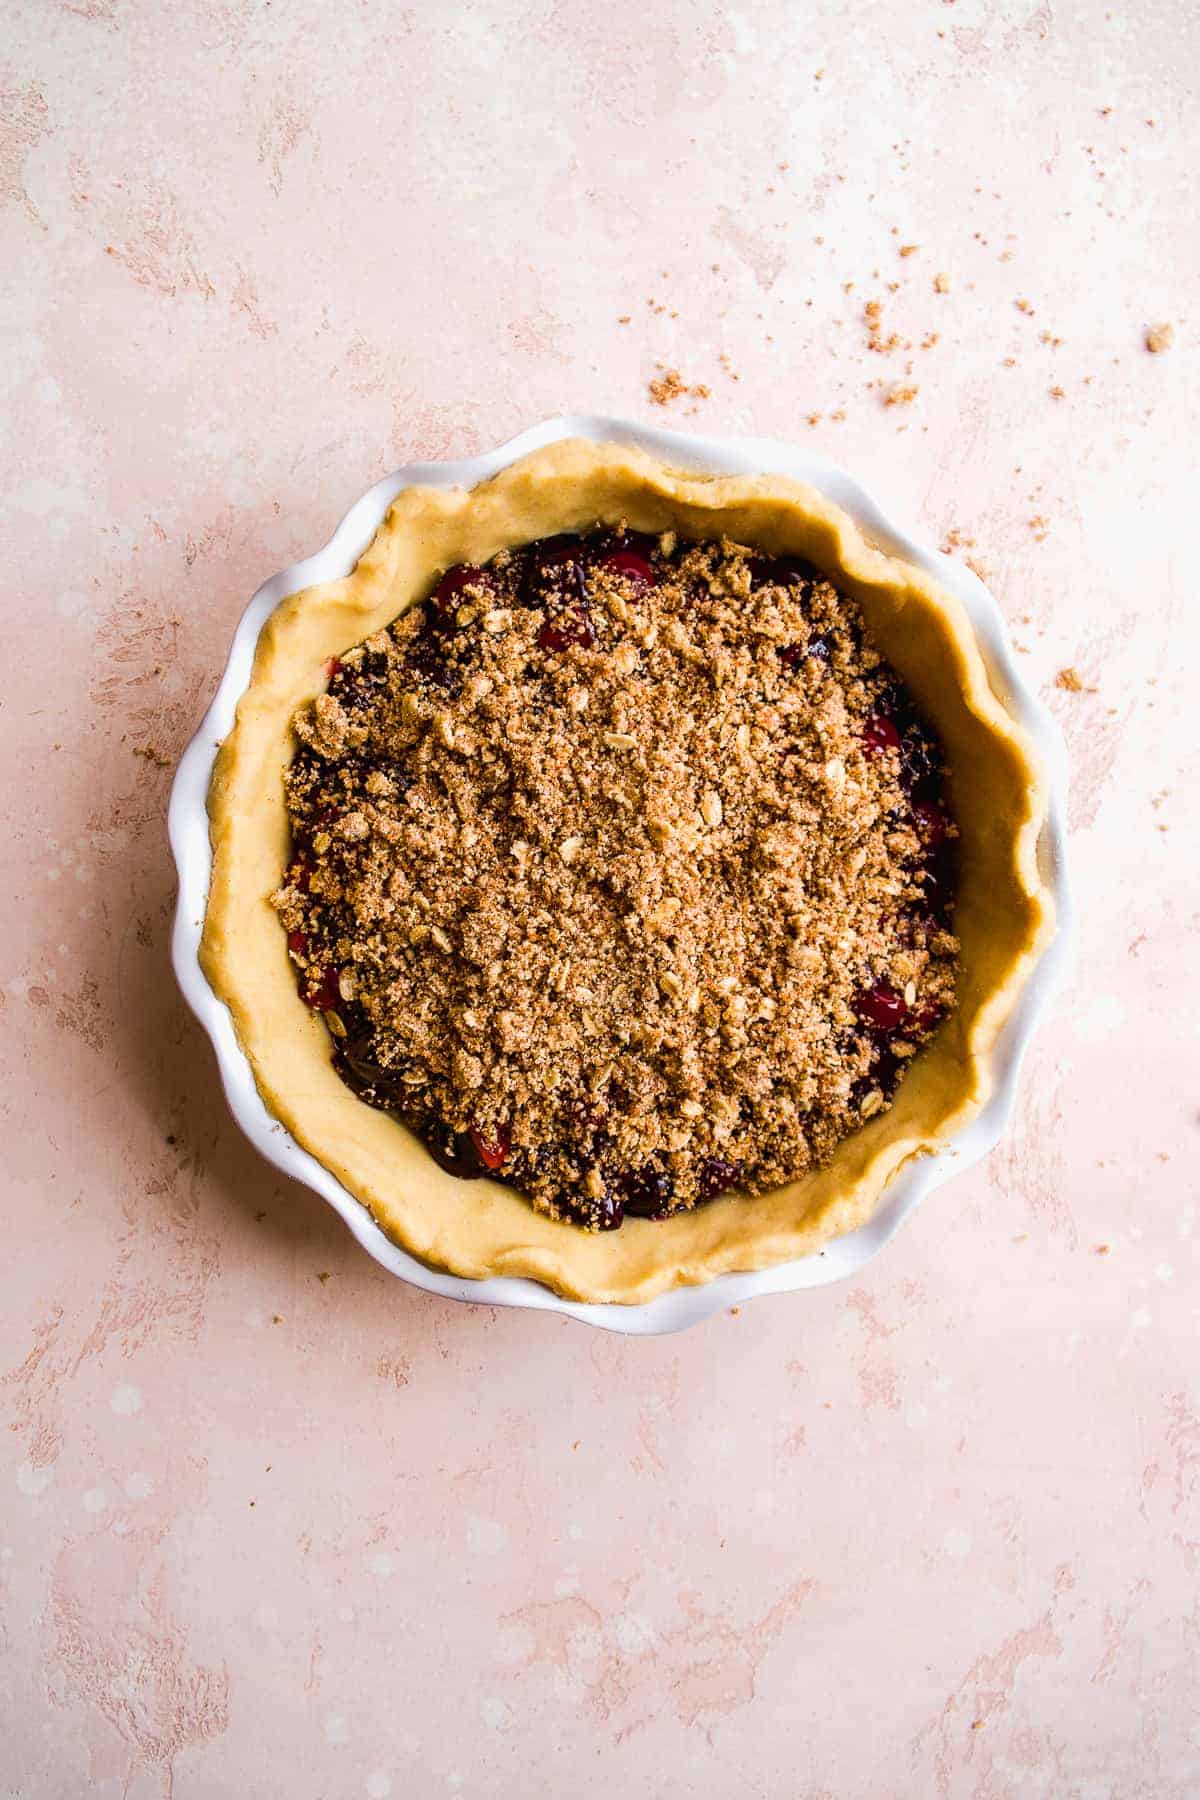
[{"x": 629, "y": 856}]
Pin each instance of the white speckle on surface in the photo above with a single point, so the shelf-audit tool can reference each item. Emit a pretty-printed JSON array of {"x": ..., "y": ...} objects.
[
  {"x": 336, "y": 1729},
  {"x": 575, "y": 1531},
  {"x": 495, "y": 1712},
  {"x": 764, "y": 1502},
  {"x": 267, "y": 1616},
  {"x": 957, "y": 1542},
  {"x": 485, "y": 1537},
  {"x": 724, "y": 1443},
  {"x": 383, "y": 1565},
  {"x": 515, "y": 1643},
  {"x": 634, "y": 1634},
  {"x": 1164, "y": 1271},
  {"x": 379, "y": 1785},
  {"x": 6, "y": 1554},
  {"x": 409, "y": 1743},
  {"x": 1141, "y": 1319},
  {"x": 121, "y": 1528},
  {"x": 126, "y": 1400},
  {"x": 1101, "y": 1018},
  {"x": 95, "y": 1500},
  {"x": 916, "y": 1417},
  {"x": 454, "y": 1779},
  {"x": 584, "y": 1643},
  {"x": 138, "y": 1486},
  {"x": 567, "y": 1584},
  {"x": 33, "y": 1482},
  {"x": 346, "y": 1614}
]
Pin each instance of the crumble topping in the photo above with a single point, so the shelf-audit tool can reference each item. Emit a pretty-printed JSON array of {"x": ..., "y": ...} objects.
[{"x": 622, "y": 871}]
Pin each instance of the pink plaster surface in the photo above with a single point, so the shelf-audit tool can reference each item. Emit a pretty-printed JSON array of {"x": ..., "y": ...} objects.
[{"x": 273, "y": 1525}]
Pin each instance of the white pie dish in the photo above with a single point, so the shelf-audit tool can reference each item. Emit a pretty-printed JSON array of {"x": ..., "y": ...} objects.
[{"x": 190, "y": 844}]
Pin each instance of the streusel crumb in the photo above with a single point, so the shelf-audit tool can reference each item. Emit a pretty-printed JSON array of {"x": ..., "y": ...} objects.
[{"x": 622, "y": 870}]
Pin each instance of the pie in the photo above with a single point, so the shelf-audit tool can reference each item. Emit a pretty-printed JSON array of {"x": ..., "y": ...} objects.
[{"x": 622, "y": 873}]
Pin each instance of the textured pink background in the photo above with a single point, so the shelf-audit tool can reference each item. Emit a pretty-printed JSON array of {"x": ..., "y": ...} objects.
[{"x": 266, "y": 1534}]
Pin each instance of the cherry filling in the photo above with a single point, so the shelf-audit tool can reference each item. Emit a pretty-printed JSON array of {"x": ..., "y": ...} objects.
[
  {"x": 450, "y": 593},
  {"x": 554, "y": 576},
  {"x": 783, "y": 571},
  {"x": 646, "y": 1192},
  {"x": 551, "y": 576},
  {"x": 879, "y": 735},
  {"x": 881, "y": 1006},
  {"x": 492, "y": 1147},
  {"x": 563, "y": 629},
  {"x": 631, "y": 566},
  {"x": 326, "y": 994}
]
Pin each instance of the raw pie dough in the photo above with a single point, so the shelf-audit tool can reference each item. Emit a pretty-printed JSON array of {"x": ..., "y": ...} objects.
[{"x": 482, "y": 1228}]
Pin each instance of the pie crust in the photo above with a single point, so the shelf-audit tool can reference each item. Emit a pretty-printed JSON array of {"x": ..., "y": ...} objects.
[{"x": 1004, "y": 913}]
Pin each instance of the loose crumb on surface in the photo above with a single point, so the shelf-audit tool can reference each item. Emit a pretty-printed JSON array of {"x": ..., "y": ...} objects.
[
  {"x": 1025, "y": 307},
  {"x": 1057, "y": 392},
  {"x": 1071, "y": 681},
  {"x": 1159, "y": 338},
  {"x": 909, "y": 249},
  {"x": 151, "y": 754},
  {"x": 1040, "y": 527},
  {"x": 941, "y": 283},
  {"x": 670, "y": 386},
  {"x": 903, "y": 394}
]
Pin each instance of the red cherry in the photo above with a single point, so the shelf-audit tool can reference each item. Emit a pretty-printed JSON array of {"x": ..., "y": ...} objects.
[
  {"x": 493, "y": 1151},
  {"x": 930, "y": 823},
  {"x": 333, "y": 667},
  {"x": 565, "y": 629},
  {"x": 928, "y": 1017},
  {"x": 327, "y": 995},
  {"x": 300, "y": 874},
  {"x": 297, "y": 943},
  {"x": 447, "y": 593},
  {"x": 881, "y": 1006},
  {"x": 879, "y": 734},
  {"x": 633, "y": 567}
]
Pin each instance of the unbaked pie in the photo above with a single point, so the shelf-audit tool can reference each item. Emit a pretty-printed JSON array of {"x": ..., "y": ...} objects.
[{"x": 645, "y": 842}]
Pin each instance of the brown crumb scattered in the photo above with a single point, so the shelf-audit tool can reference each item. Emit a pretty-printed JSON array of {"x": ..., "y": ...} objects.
[
  {"x": 909, "y": 249},
  {"x": 956, "y": 540},
  {"x": 1040, "y": 527},
  {"x": 624, "y": 318},
  {"x": 903, "y": 394},
  {"x": 152, "y": 755},
  {"x": 1103, "y": 1249},
  {"x": 734, "y": 1311},
  {"x": 978, "y": 1724},
  {"x": 1057, "y": 392},
  {"x": 670, "y": 386},
  {"x": 941, "y": 283},
  {"x": 1159, "y": 338},
  {"x": 277, "y": 1319},
  {"x": 323, "y": 1276},
  {"x": 1010, "y": 362},
  {"x": 1071, "y": 681},
  {"x": 873, "y": 313},
  {"x": 1048, "y": 337},
  {"x": 1025, "y": 307}
]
